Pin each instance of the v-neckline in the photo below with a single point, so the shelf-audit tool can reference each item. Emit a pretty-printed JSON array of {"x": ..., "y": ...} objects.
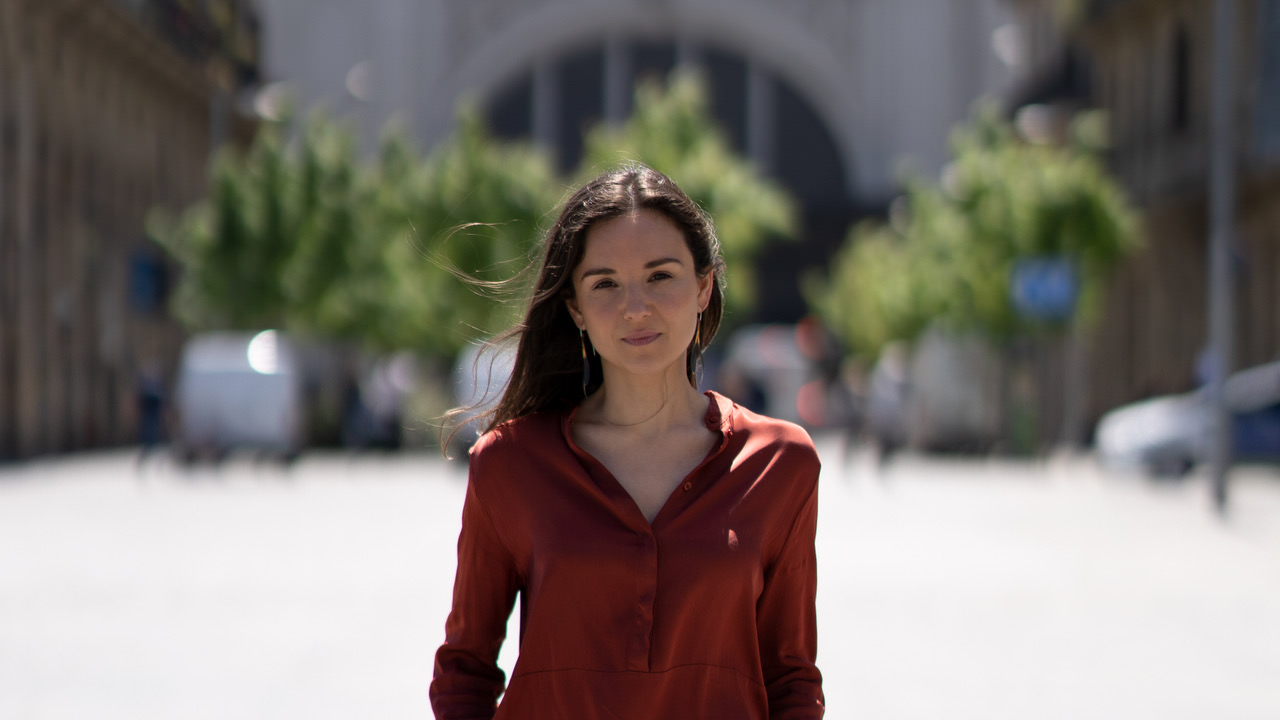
[{"x": 714, "y": 419}]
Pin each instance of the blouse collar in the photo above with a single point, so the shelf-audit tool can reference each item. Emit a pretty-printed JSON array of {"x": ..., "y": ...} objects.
[
  {"x": 719, "y": 413},
  {"x": 719, "y": 417}
]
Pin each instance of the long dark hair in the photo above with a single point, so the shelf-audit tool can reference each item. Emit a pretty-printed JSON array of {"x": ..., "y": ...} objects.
[{"x": 547, "y": 374}]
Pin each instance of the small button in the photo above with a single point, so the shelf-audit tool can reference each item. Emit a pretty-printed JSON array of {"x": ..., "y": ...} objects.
[{"x": 688, "y": 486}]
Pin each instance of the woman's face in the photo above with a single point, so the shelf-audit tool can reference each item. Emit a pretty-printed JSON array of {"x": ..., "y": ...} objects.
[{"x": 637, "y": 293}]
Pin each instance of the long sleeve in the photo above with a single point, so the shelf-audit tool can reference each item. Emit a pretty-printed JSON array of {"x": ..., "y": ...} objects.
[
  {"x": 787, "y": 620},
  {"x": 467, "y": 680}
]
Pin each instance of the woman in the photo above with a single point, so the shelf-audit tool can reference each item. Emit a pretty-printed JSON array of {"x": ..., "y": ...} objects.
[{"x": 661, "y": 540}]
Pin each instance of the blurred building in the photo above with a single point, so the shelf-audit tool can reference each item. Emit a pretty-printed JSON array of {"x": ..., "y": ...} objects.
[
  {"x": 1148, "y": 64},
  {"x": 107, "y": 108},
  {"x": 833, "y": 98}
]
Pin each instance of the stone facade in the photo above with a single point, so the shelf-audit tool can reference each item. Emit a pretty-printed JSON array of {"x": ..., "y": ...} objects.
[
  {"x": 1149, "y": 67},
  {"x": 100, "y": 120},
  {"x": 1153, "y": 62},
  {"x": 886, "y": 79}
]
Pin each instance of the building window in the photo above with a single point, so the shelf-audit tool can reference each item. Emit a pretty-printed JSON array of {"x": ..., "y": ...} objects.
[
  {"x": 1180, "y": 106},
  {"x": 1267, "y": 113},
  {"x": 148, "y": 281}
]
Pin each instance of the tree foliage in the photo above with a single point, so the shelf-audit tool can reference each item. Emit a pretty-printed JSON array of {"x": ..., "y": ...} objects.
[
  {"x": 466, "y": 222},
  {"x": 949, "y": 256},
  {"x": 302, "y": 237},
  {"x": 416, "y": 252}
]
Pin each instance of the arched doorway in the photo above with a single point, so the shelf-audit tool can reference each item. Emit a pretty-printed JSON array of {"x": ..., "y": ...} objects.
[{"x": 764, "y": 117}]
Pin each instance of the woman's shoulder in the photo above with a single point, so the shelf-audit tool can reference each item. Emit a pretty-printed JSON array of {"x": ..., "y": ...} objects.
[
  {"x": 511, "y": 459},
  {"x": 764, "y": 433},
  {"x": 519, "y": 436},
  {"x": 745, "y": 420}
]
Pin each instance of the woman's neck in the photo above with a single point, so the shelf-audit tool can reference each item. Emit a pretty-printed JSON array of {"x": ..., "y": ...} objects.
[{"x": 649, "y": 403}]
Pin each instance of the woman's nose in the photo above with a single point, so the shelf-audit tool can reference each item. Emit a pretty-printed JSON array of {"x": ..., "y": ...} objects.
[{"x": 637, "y": 304}]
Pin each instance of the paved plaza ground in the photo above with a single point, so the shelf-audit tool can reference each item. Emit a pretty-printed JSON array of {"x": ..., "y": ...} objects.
[{"x": 949, "y": 588}]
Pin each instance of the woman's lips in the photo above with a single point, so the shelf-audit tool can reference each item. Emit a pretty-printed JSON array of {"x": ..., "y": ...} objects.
[{"x": 640, "y": 338}]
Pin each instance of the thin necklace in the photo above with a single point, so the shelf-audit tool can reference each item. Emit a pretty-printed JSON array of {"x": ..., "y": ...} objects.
[{"x": 611, "y": 423}]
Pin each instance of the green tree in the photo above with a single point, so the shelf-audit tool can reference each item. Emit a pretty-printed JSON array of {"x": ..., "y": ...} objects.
[
  {"x": 950, "y": 258},
  {"x": 672, "y": 131},
  {"x": 413, "y": 252},
  {"x": 300, "y": 237},
  {"x": 477, "y": 211},
  {"x": 263, "y": 249}
]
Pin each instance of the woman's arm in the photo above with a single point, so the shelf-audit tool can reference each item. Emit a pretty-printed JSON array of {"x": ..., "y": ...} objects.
[
  {"x": 787, "y": 621},
  {"x": 467, "y": 680}
]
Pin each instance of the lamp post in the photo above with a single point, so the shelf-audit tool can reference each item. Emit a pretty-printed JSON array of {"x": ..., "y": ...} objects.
[{"x": 1222, "y": 193}]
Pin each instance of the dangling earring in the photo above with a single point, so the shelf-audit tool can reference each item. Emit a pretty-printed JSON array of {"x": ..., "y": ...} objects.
[
  {"x": 695, "y": 352},
  {"x": 586, "y": 362}
]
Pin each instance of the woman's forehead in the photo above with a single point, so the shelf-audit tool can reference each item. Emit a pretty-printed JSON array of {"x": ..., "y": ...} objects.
[{"x": 637, "y": 236}]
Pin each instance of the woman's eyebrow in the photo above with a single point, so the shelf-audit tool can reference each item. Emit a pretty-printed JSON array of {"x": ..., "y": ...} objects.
[
  {"x": 649, "y": 265},
  {"x": 598, "y": 271},
  {"x": 662, "y": 261}
]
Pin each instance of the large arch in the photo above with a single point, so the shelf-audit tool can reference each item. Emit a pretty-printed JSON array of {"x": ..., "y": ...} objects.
[{"x": 761, "y": 33}]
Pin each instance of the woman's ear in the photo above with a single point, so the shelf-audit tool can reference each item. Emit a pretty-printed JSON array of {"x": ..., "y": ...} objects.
[
  {"x": 571, "y": 304},
  {"x": 705, "y": 284}
]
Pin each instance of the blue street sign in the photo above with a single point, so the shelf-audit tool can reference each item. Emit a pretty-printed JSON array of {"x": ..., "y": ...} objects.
[{"x": 1044, "y": 288}]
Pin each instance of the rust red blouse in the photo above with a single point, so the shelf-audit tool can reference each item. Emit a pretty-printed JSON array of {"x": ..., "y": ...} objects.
[{"x": 707, "y": 613}]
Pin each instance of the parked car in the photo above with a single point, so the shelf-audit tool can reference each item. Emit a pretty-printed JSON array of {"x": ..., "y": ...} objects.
[
  {"x": 1169, "y": 435},
  {"x": 238, "y": 390}
]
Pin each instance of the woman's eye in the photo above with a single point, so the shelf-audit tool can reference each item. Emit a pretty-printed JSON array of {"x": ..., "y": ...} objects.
[
  {"x": 602, "y": 285},
  {"x": 660, "y": 275}
]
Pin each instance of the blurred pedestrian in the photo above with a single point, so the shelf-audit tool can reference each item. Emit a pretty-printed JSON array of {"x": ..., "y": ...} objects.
[
  {"x": 151, "y": 407},
  {"x": 661, "y": 540}
]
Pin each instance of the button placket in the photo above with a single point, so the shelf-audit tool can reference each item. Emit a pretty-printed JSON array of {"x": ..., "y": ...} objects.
[{"x": 646, "y": 593}]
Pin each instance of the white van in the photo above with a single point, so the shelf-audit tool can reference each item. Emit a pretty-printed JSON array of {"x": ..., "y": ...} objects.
[
  {"x": 955, "y": 393},
  {"x": 239, "y": 390},
  {"x": 942, "y": 394}
]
